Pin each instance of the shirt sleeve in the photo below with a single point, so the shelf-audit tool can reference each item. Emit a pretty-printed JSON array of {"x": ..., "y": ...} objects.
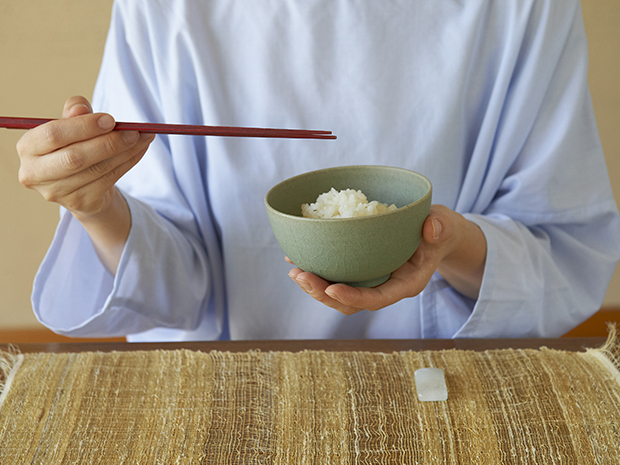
[
  {"x": 138, "y": 298},
  {"x": 164, "y": 278},
  {"x": 542, "y": 194}
]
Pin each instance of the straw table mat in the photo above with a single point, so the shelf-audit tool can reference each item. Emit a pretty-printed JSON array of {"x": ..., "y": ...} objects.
[{"x": 179, "y": 406}]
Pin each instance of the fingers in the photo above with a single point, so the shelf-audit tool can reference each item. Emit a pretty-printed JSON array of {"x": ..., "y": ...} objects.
[
  {"x": 80, "y": 192},
  {"x": 57, "y": 134},
  {"x": 374, "y": 298},
  {"x": 315, "y": 287},
  {"x": 61, "y": 133},
  {"x": 347, "y": 299},
  {"x": 409, "y": 280},
  {"x": 74, "y": 161},
  {"x": 79, "y": 124},
  {"x": 91, "y": 198},
  {"x": 89, "y": 158},
  {"x": 76, "y": 106}
]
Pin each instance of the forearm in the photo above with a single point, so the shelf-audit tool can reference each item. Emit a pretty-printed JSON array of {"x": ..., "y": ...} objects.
[
  {"x": 463, "y": 267},
  {"x": 108, "y": 230}
]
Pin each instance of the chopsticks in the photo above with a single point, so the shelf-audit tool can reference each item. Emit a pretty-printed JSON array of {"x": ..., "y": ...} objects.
[{"x": 186, "y": 129}]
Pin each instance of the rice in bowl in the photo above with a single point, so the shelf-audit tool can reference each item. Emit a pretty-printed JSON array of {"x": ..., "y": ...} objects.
[{"x": 347, "y": 203}]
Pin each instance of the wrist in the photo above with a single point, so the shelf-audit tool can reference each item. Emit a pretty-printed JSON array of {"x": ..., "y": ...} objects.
[
  {"x": 462, "y": 266},
  {"x": 108, "y": 229}
]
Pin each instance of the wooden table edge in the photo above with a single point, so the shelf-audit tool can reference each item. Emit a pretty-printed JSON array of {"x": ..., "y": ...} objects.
[{"x": 364, "y": 345}]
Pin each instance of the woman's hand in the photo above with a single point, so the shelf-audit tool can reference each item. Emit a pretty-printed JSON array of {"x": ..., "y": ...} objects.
[
  {"x": 75, "y": 161},
  {"x": 451, "y": 245}
]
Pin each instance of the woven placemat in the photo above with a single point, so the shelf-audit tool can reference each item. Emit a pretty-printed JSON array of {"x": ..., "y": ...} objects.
[{"x": 504, "y": 406}]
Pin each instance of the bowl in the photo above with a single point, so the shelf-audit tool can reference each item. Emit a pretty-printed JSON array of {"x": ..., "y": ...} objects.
[{"x": 360, "y": 251}]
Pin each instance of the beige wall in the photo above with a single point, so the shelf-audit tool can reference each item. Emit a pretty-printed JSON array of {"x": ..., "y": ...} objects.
[
  {"x": 602, "y": 20},
  {"x": 51, "y": 50}
]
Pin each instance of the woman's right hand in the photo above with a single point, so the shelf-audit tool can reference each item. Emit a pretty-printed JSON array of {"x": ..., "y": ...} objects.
[{"x": 75, "y": 161}]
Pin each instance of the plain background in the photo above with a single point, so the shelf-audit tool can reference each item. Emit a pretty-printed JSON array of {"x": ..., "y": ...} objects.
[{"x": 50, "y": 51}]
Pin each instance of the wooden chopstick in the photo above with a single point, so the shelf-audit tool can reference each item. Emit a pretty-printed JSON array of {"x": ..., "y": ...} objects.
[{"x": 185, "y": 129}]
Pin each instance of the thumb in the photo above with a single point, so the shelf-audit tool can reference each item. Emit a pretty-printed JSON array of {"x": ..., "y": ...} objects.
[
  {"x": 437, "y": 227},
  {"x": 76, "y": 106}
]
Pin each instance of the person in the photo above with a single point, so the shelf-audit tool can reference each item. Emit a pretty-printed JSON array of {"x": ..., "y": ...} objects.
[{"x": 166, "y": 238}]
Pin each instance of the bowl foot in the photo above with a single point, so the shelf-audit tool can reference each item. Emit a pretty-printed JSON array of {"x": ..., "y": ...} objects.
[{"x": 370, "y": 282}]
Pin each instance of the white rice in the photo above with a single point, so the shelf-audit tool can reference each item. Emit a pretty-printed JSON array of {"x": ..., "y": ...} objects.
[{"x": 347, "y": 203}]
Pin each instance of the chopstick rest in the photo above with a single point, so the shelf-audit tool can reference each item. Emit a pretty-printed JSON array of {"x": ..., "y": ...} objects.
[{"x": 431, "y": 384}]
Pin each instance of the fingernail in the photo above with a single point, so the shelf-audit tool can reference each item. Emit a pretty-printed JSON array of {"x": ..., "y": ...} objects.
[
  {"x": 130, "y": 137},
  {"x": 293, "y": 274},
  {"x": 78, "y": 105},
  {"x": 437, "y": 228},
  {"x": 305, "y": 285},
  {"x": 330, "y": 294},
  {"x": 106, "y": 122}
]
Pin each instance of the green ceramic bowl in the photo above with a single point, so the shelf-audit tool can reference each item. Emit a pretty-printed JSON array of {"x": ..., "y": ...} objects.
[{"x": 361, "y": 251}]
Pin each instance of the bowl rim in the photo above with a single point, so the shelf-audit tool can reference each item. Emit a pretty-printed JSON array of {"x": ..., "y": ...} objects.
[{"x": 355, "y": 218}]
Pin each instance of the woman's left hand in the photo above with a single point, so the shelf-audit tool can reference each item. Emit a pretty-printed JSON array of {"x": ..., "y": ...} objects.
[{"x": 451, "y": 245}]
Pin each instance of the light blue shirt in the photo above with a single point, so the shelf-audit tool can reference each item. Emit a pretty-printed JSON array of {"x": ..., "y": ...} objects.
[{"x": 487, "y": 99}]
